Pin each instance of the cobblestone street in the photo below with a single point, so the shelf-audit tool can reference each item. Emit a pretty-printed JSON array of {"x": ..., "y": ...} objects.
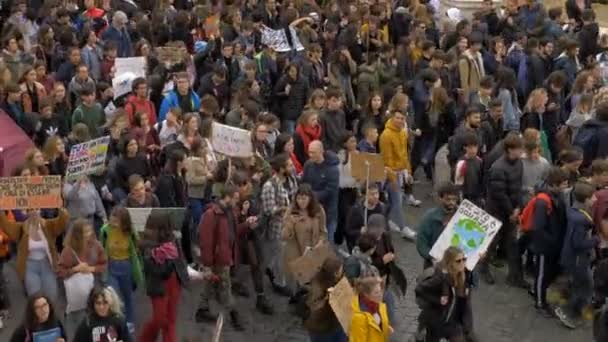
[{"x": 501, "y": 313}]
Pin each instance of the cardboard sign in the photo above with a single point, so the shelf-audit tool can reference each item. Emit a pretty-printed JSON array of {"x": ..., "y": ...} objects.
[
  {"x": 358, "y": 166},
  {"x": 87, "y": 158},
  {"x": 471, "y": 229},
  {"x": 38, "y": 192},
  {"x": 139, "y": 217},
  {"x": 231, "y": 141},
  {"x": 340, "y": 300},
  {"x": 308, "y": 265}
]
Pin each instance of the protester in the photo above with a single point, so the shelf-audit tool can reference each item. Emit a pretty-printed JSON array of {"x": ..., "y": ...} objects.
[
  {"x": 104, "y": 319},
  {"x": 370, "y": 318},
  {"x": 40, "y": 317}
]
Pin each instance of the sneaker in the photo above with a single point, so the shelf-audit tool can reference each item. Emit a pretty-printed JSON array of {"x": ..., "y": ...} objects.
[
  {"x": 263, "y": 305},
  {"x": 545, "y": 311},
  {"x": 204, "y": 315},
  {"x": 393, "y": 227},
  {"x": 411, "y": 200},
  {"x": 408, "y": 234},
  {"x": 563, "y": 317},
  {"x": 237, "y": 322}
]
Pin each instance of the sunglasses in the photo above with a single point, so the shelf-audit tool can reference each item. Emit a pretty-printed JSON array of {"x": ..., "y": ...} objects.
[{"x": 461, "y": 260}]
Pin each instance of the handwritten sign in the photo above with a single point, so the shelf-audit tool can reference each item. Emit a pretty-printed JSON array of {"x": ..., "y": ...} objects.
[
  {"x": 87, "y": 158},
  {"x": 139, "y": 217},
  {"x": 231, "y": 141},
  {"x": 135, "y": 65},
  {"x": 340, "y": 300},
  {"x": 277, "y": 40},
  {"x": 36, "y": 192},
  {"x": 308, "y": 265},
  {"x": 471, "y": 229}
]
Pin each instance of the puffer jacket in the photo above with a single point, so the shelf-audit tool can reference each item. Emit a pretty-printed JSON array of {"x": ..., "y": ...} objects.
[{"x": 504, "y": 187}]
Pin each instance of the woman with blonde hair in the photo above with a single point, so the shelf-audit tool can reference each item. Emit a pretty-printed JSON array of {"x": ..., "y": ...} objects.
[
  {"x": 104, "y": 320},
  {"x": 36, "y": 250},
  {"x": 55, "y": 155},
  {"x": 34, "y": 159},
  {"x": 534, "y": 109},
  {"x": 82, "y": 254},
  {"x": 443, "y": 294},
  {"x": 317, "y": 100},
  {"x": 583, "y": 84}
]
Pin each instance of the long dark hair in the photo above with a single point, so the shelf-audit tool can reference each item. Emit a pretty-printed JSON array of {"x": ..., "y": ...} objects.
[
  {"x": 313, "y": 205},
  {"x": 171, "y": 165},
  {"x": 124, "y": 218},
  {"x": 31, "y": 321},
  {"x": 279, "y": 144},
  {"x": 159, "y": 227}
]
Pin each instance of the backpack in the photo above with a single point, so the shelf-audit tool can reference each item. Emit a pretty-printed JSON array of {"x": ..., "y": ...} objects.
[{"x": 526, "y": 218}]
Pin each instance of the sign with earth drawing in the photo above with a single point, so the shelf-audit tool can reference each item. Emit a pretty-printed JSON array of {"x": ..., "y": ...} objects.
[{"x": 471, "y": 229}]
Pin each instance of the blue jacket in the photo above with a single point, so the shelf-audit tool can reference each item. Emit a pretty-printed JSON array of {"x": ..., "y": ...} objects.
[
  {"x": 324, "y": 180},
  {"x": 122, "y": 39},
  {"x": 365, "y": 146},
  {"x": 579, "y": 241},
  {"x": 171, "y": 101},
  {"x": 569, "y": 66}
]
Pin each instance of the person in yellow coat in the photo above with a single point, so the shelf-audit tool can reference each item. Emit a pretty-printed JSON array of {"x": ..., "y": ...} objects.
[
  {"x": 395, "y": 154},
  {"x": 370, "y": 321}
]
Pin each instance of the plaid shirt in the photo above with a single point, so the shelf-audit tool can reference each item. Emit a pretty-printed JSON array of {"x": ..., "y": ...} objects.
[{"x": 276, "y": 195}]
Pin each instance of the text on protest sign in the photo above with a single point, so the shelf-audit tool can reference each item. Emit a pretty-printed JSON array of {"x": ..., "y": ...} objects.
[
  {"x": 231, "y": 141},
  {"x": 471, "y": 229},
  {"x": 87, "y": 158},
  {"x": 37, "y": 192},
  {"x": 127, "y": 69},
  {"x": 340, "y": 300}
]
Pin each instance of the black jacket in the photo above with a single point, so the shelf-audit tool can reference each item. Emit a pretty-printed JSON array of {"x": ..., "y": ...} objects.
[
  {"x": 290, "y": 105},
  {"x": 356, "y": 220},
  {"x": 588, "y": 41},
  {"x": 492, "y": 132},
  {"x": 549, "y": 226},
  {"x": 171, "y": 191},
  {"x": 125, "y": 167},
  {"x": 504, "y": 187},
  {"x": 21, "y": 334},
  {"x": 156, "y": 274},
  {"x": 538, "y": 71},
  {"x": 333, "y": 129}
]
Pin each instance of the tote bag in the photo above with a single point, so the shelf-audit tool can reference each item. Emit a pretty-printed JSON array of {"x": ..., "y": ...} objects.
[{"x": 77, "y": 289}]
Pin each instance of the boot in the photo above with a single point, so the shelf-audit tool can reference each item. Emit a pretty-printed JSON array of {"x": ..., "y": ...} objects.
[
  {"x": 237, "y": 322},
  {"x": 204, "y": 314},
  {"x": 263, "y": 305}
]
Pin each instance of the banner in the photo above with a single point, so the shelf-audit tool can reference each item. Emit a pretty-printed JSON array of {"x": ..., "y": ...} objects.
[
  {"x": 139, "y": 217},
  {"x": 38, "y": 192},
  {"x": 127, "y": 70},
  {"x": 471, "y": 229},
  {"x": 277, "y": 39},
  {"x": 231, "y": 141},
  {"x": 87, "y": 158},
  {"x": 340, "y": 300}
]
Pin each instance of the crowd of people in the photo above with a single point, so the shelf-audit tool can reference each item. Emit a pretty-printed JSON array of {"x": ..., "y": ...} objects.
[{"x": 507, "y": 109}]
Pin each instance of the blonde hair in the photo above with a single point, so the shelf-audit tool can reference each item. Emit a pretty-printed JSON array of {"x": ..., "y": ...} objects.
[
  {"x": 537, "y": 98},
  {"x": 448, "y": 264},
  {"x": 398, "y": 102},
  {"x": 50, "y": 147}
]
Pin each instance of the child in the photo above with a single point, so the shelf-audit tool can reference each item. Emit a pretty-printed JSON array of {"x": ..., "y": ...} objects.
[
  {"x": 468, "y": 173},
  {"x": 577, "y": 254},
  {"x": 370, "y": 139}
]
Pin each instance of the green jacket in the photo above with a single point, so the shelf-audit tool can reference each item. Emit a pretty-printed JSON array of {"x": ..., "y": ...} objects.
[
  {"x": 137, "y": 269},
  {"x": 429, "y": 229}
]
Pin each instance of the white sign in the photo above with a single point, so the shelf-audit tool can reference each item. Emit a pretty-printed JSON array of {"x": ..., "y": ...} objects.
[
  {"x": 87, "y": 158},
  {"x": 471, "y": 229},
  {"x": 139, "y": 217},
  {"x": 277, "y": 39},
  {"x": 127, "y": 69},
  {"x": 231, "y": 141}
]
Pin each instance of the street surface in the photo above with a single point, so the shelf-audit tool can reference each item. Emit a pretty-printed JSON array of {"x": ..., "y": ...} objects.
[{"x": 502, "y": 314}]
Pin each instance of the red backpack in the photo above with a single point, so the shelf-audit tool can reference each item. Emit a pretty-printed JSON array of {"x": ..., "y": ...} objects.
[{"x": 526, "y": 218}]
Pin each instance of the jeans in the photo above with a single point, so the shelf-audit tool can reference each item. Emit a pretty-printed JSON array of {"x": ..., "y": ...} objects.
[
  {"x": 272, "y": 250},
  {"x": 389, "y": 300},
  {"x": 332, "y": 225},
  {"x": 423, "y": 154},
  {"x": 395, "y": 200},
  {"x": 581, "y": 280},
  {"x": 39, "y": 276},
  {"x": 164, "y": 313},
  {"x": 197, "y": 208},
  {"x": 120, "y": 278},
  {"x": 72, "y": 320},
  {"x": 337, "y": 336}
]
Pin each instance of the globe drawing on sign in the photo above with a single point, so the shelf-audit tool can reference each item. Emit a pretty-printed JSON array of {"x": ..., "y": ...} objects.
[{"x": 468, "y": 235}]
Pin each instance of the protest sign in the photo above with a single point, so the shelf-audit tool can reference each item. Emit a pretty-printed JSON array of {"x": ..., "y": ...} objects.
[
  {"x": 50, "y": 335},
  {"x": 231, "y": 141},
  {"x": 340, "y": 300},
  {"x": 471, "y": 229},
  {"x": 37, "y": 192},
  {"x": 308, "y": 265},
  {"x": 139, "y": 217},
  {"x": 126, "y": 70},
  {"x": 277, "y": 40},
  {"x": 87, "y": 158},
  {"x": 358, "y": 166},
  {"x": 170, "y": 54}
]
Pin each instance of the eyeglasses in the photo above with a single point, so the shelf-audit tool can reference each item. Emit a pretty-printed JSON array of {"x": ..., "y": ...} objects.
[{"x": 101, "y": 302}]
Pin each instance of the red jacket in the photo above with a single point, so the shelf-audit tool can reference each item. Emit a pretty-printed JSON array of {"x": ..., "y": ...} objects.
[
  {"x": 217, "y": 247},
  {"x": 135, "y": 105}
]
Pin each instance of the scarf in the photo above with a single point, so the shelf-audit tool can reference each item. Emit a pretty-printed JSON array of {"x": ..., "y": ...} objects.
[
  {"x": 308, "y": 134},
  {"x": 372, "y": 306},
  {"x": 164, "y": 252},
  {"x": 296, "y": 163}
]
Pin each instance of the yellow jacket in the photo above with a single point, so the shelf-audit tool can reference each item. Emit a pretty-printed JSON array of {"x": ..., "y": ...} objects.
[
  {"x": 363, "y": 327},
  {"x": 394, "y": 148}
]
